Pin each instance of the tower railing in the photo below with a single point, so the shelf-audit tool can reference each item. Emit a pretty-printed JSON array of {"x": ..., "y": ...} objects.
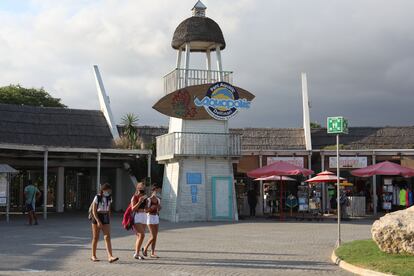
[
  {"x": 180, "y": 78},
  {"x": 180, "y": 144}
]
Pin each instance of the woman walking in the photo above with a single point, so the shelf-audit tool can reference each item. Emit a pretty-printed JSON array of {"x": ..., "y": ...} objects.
[
  {"x": 138, "y": 204},
  {"x": 101, "y": 212},
  {"x": 153, "y": 209}
]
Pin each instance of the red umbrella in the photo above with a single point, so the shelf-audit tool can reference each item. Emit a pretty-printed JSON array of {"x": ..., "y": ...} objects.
[
  {"x": 383, "y": 168},
  {"x": 279, "y": 168},
  {"x": 275, "y": 178},
  {"x": 325, "y": 176}
]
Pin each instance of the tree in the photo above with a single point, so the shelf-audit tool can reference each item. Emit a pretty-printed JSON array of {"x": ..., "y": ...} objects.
[
  {"x": 16, "y": 94},
  {"x": 129, "y": 137},
  {"x": 315, "y": 125}
]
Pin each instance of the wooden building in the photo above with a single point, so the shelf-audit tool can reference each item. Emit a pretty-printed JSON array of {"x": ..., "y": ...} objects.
[{"x": 66, "y": 152}]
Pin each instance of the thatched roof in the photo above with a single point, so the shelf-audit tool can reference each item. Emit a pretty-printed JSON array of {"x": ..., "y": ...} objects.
[
  {"x": 198, "y": 29},
  {"x": 271, "y": 138},
  {"x": 367, "y": 138},
  {"x": 60, "y": 127},
  {"x": 359, "y": 138}
]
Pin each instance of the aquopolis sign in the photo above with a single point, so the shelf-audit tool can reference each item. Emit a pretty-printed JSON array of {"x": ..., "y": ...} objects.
[
  {"x": 222, "y": 101},
  {"x": 219, "y": 101}
]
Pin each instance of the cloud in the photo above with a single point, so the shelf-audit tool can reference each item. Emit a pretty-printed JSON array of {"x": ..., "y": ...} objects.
[{"x": 358, "y": 55}]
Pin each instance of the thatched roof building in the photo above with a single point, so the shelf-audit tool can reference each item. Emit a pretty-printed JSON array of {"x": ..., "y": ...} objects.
[{"x": 49, "y": 126}]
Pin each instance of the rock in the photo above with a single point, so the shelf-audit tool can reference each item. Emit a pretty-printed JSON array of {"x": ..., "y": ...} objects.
[{"x": 394, "y": 232}]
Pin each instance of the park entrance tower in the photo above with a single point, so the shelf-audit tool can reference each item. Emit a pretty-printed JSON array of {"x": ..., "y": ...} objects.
[{"x": 198, "y": 151}]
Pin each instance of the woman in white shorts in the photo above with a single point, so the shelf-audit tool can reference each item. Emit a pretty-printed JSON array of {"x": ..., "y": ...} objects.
[
  {"x": 153, "y": 208},
  {"x": 138, "y": 205}
]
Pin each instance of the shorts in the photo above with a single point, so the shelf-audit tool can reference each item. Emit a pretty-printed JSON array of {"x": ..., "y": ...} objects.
[
  {"x": 103, "y": 217},
  {"x": 153, "y": 219},
  {"x": 30, "y": 207},
  {"x": 140, "y": 218}
]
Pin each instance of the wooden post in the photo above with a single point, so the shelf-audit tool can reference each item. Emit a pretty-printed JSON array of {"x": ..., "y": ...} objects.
[
  {"x": 208, "y": 63},
  {"x": 45, "y": 159},
  {"x": 149, "y": 168},
  {"x": 219, "y": 64},
  {"x": 374, "y": 187},
  {"x": 187, "y": 63},
  {"x": 98, "y": 172}
]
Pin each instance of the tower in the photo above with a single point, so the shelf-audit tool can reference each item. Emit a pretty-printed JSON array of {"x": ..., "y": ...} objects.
[{"x": 198, "y": 151}]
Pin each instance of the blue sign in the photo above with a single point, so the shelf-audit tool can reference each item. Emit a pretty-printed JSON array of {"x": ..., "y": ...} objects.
[
  {"x": 194, "y": 193},
  {"x": 222, "y": 101},
  {"x": 194, "y": 178}
]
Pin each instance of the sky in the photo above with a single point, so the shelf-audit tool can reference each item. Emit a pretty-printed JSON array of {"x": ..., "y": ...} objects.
[{"x": 358, "y": 55}]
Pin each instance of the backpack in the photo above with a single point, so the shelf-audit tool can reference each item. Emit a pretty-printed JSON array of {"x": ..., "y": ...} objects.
[
  {"x": 90, "y": 215},
  {"x": 128, "y": 219}
]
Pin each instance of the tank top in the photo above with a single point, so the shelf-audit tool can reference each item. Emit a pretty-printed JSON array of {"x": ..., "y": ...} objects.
[
  {"x": 142, "y": 205},
  {"x": 153, "y": 203}
]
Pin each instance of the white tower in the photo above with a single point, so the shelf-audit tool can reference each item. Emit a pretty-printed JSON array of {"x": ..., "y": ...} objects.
[{"x": 199, "y": 152}]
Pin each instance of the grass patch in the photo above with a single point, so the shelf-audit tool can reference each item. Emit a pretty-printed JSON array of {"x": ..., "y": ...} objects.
[{"x": 366, "y": 254}]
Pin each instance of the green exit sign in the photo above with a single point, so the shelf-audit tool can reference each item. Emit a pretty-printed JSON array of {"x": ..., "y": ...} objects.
[{"x": 337, "y": 125}]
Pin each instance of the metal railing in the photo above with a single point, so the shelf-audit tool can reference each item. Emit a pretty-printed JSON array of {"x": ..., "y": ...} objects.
[
  {"x": 198, "y": 144},
  {"x": 180, "y": 78}
]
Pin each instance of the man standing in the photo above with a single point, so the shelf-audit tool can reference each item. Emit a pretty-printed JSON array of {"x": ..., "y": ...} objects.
[
  {"x": 252, "y": 200},
  {"x": 31, "y": 194}
]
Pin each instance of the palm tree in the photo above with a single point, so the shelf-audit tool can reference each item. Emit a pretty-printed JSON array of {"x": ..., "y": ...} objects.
[{"x": 129, "y": 122}]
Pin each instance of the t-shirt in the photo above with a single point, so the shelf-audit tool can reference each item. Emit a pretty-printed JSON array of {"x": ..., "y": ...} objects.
[
  {"x": 30, "y": 191},
  {"x": 104, "y": 204},
  {"x": 403, "y": 193}
]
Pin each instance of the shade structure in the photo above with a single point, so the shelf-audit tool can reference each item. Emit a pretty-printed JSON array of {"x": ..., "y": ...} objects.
[
  {"x": 275, "y": 178},
  {"x": 383, "y": 168},
  {"x": 324, "y": 177},
  {"x": 279, "y": 168}
]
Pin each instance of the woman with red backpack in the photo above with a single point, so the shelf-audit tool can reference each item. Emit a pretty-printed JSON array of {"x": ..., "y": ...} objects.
[
  {"x": 138, "y": 205},
  {"x": 153, "y": 220},
  {"x": 100, "y": 212}
]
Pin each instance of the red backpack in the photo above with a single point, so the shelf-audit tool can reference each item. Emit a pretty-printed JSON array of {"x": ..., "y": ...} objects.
[{"x": 128, "y": 220}]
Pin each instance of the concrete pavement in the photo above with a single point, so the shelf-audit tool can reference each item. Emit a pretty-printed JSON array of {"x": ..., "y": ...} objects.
[{"x": 61, "y": 246}]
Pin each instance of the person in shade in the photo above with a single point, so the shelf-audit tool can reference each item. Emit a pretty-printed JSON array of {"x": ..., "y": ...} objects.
[
  {"x": 153, "y": 208},
  {"x": 138, "y": 206},
  {"x": 252, "y": 200},
  {"x": 101, "y": 213},
  {"x": 31, "y": 194}
]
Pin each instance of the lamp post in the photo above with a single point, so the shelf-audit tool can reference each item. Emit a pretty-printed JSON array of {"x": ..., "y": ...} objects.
[{"x": 337, "y": 125}]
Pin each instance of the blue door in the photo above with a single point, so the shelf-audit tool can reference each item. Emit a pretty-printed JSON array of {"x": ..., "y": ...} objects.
[{"x": 222, "y": 188}]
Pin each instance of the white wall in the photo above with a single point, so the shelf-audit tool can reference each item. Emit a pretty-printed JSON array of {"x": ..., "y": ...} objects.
[{"x": 169, "y": 191}]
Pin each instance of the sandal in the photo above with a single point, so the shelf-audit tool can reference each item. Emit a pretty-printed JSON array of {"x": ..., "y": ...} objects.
[
  {"x": 113, "y": 260},
  {"x": 154, "y": 256},
  {"x": 144, "y": 252},
  {"x": 94, "y": 259},
  {"x": 138, "y": 257}
]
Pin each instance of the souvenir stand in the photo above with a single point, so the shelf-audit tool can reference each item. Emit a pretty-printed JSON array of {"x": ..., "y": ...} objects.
[
  {"x": 315, "y": 208},
  {"x": 279, "y": 169},
  {"x": 390, "y": 169}
]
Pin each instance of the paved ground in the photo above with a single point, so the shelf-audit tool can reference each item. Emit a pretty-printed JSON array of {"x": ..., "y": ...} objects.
[{"x": 60, "y": 246}]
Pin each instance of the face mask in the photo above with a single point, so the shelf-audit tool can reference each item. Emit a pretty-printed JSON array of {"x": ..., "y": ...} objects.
[{"x": 106, "y": 193}]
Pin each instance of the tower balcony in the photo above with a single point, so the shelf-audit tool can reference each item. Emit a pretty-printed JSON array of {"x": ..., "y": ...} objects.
[
  {"x": 180, "y": 78},
  {"x": 195, "y": 144}
]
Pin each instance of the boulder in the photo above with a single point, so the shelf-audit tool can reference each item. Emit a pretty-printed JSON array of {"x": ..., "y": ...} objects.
[{"x": 394, "y": 232}]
